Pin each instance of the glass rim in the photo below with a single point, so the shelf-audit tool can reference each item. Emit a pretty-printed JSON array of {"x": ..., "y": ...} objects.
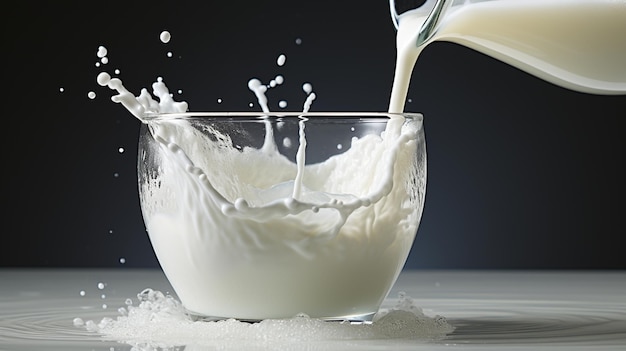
[{"x": 260, "y": 114}]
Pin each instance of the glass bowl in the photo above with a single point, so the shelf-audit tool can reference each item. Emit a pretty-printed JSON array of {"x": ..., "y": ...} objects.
[{"x": 270, "y": 215}]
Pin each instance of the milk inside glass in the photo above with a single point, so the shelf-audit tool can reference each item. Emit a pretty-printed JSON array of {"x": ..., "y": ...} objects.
[{"x": 242, "y": 231}]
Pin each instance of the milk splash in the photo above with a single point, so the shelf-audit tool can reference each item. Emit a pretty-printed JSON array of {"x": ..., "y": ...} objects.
[
  {"x": 343, "y": 224},
  {"x": 324, "y": 211}
]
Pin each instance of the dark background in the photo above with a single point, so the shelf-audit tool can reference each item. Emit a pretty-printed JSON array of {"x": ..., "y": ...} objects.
[{"x": 521, "y": 174}]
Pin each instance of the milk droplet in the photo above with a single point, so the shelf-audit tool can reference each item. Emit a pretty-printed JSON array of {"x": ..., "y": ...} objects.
[
  {"x": 122, "y": 260},
  {"x": 169, "y": 54},
  {"x": 121, "y": 150},
  {"x": 61, "y": 89},
  {"x": 78, "y": 322},
  {"x": 281, "y": 60},
  {"x": 101, "y": 285},
  {"x": 97, "y": 64},
  {"x": 103, "y": 79},
  {"x": 91, "y": 95},
  {"x": 117, "y": 71},
  {"x": 282, "y": 104},
  {"x": 116, "y": 175},
  {"x": 279, "y": 79},
  {"x": 339, "y": 146},
  {"x": 104, "y": 306},
  {"x": 298, "y": 41},
  {"x": 307, "y": 88},
  {"x": 250, "y": 105},
  {"x": 103, "y": 296},
  {"x": 102, "y": 51},
  {"x": 180, "y": 91},
  {"x": 82, "y": 293},
  {"x": 104, "y": 60},
  {"x": 165, "y": 37},
  {"x": 287, "y": 142}
]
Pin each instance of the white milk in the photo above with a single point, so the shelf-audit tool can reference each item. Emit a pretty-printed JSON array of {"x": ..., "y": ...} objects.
[
  {"x": 250, "y": 234},
  {"x": 577, "y": 44}
]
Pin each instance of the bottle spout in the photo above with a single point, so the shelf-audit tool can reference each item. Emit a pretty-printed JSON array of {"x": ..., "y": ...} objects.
[{"x": 434, "y": 11}]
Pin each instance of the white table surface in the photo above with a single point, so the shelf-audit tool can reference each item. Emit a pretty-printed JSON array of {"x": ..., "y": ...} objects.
[{"x": 491, "y": 310}]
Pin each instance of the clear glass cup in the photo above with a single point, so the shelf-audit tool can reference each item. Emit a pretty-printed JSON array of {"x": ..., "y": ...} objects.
[{"x": 255, "y": 216}]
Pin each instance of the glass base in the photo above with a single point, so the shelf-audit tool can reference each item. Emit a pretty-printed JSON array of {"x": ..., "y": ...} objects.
[{"x": 355, "y": 319}]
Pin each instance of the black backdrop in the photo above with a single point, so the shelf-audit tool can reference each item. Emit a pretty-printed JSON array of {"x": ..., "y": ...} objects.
[{"x": 521, "y": 173}]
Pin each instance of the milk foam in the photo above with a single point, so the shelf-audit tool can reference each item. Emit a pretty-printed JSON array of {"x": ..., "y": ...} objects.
[{"x": 159, "y": 320}]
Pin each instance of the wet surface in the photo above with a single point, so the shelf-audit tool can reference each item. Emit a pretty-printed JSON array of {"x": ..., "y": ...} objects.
[{"x": 499, "y": 310}]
